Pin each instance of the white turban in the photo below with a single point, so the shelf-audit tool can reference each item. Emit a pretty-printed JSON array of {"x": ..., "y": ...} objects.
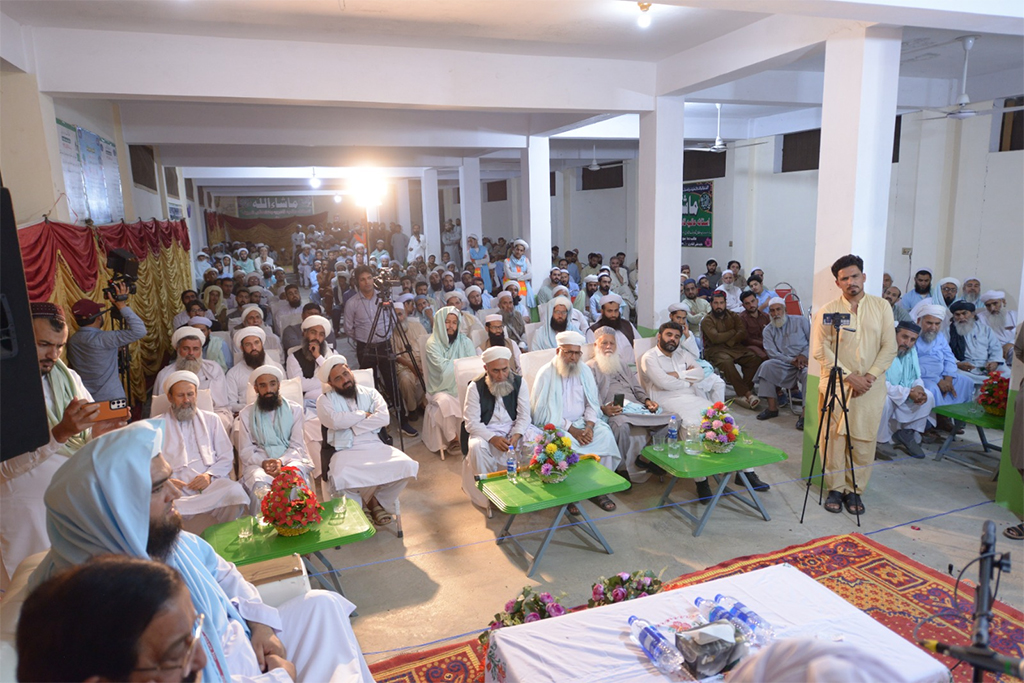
[
  {"x": 458, "y": 293},
  {"x": 402, "y": 298},
  {"x": 570, "y": 338},
  {"x": 493, "y": 353},
  {"x": 251, "y": 331},
  {"x": 255, "y": 288},
  {"x": 494, "y": 318},
  {"x": 187, "y": 332},
  {"x": 505, "y": 294},
  {"x": 180, "y": 376},
  {"x": 561, "y": 301},
  {"x": 948, "y": 280},
  {"x": 603, "y": 331},
  {"x": 323, "y": 373},
  {"x": 526, "y": 245},
  {"x": 971, "y": 279},
  {"x": 991, "y": 295},
  {"x": 266, "y": 370},
  {"x": 923, "y": 270},
  {"x": 317, "y": 321},
  {"x": 610, "y": 297},
  {"x": 200, "y": 320},
  {"x": 555, "y": 269},
  {"x": 776, "y": 300},
  {"x": 757, "y": 268},
  {"x": 473, "y": 288},
  {"x": 931, "y": 309},
  {"x": 590, "y": 278},
  {"x": 673, "y": 308},
  {"x": 249, "y": 308},
  {"x": 560, "y": 288}
]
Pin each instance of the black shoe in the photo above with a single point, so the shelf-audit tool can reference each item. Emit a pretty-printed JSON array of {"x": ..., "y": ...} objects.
[
  {"x": 767, "y": 414},
  {"x": 409, "y": 430},
  {"x": 800, "y": 423},
  {"x": 651, "y": 467},
  {"x": 704, "y": 492},
  {"x": 834, "y": 502},
  {"x": 905, "y": 438},
  {"x": 755, "y": 481}
]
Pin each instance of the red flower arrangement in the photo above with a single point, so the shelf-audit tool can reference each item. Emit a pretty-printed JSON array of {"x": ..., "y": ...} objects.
[
  {"x": 289, "y": 505},
  {"x": 994, "y": 391}
]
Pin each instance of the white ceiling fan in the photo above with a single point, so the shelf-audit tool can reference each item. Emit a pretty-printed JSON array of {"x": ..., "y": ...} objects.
[
  {"x": 962, "y": 109},
  {"x": 594, "y": 166},
  {"x": 719, "y": 146}
]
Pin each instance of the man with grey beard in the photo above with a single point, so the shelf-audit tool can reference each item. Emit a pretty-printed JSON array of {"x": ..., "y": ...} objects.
[
  {"x": 188, "y": 345},
  {"x": 972, "y": 290},
  {"x": 1002, "y": 321},
  {"x": 908, "y": 403},
  {"x": 787, "y": 341},
  {"x": 938, "y": 364},
  {"x": 199, "y": 452},
  {"x": 511, "y": 319},
  {"x": 975, "y": 347},
  {"x": 630, "y": 411},
  {"x": 496, "y": 416}
]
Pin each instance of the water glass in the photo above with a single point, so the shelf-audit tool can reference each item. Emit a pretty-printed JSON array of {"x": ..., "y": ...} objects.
[
  {"x": 525, "y": 455},
  {"x": 659, "y": 441},
  {"x": 341, "y": 511},
  {"x": 245, "y": 529},
  {"x": 693, "y": 434}
]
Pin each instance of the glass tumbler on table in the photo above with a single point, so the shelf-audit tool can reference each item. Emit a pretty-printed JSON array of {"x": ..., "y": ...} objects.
[
  {"x": 692, "y": 444},
  {"x": 245, "y": 528},
  {"x": 659, "y": 440}
]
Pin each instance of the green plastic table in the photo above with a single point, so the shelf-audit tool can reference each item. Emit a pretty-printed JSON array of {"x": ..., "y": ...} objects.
[
  {"x": 267, "y": 544},
  {"x": 587, "y": 479},
  {"x": 719, "y": 466},
  {"x": 963, "y": 414}
]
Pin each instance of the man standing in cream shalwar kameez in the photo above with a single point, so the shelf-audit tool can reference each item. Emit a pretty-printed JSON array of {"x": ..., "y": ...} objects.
[
  {"x": 908, "y": 405},
  {"x": 867, "y": 346},
  {"x": 443, "y": 414},
  {"x": 199, "y": 451},
  {"x": 565, "y": 395},
  {"x": 362, "y": 466}
]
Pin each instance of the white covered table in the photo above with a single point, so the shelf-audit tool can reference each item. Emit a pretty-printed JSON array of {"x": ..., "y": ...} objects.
[{"x": 594, "y": 645}]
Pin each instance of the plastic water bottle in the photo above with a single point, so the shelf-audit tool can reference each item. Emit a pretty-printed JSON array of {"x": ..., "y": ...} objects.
[
  {"x": 737, "y": 608},
  {"x": 712, "y": 611},
  {"x": 512, "y": 465},
  {"x": 662, "y": 652},
  {"x": 672, "y": 439}
]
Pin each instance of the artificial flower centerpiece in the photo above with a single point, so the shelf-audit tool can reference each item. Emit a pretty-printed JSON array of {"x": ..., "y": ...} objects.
[
  {"x": 553, "y": 455},
  {"x": 290, "y": 506},
  {"x": 718, "y": 429},
  {"x": 623, "y": 586},
  {"x": 525, "y": 608},
  {"x": 994, "y": 391}
]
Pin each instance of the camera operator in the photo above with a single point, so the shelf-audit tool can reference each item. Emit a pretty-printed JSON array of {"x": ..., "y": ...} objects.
[
  {"x": 93, "y": 351},
  {"x": 373, "y": 345}
]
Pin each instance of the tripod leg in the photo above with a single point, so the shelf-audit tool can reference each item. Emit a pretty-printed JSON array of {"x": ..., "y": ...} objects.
[{"x": 817, "y": 450}]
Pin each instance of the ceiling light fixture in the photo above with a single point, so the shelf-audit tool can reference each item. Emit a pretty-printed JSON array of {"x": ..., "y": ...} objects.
[
  {"x": 337, "y": 198},
  {"x": 314, "y": 182},
  {"x": 644, "y": 20}
]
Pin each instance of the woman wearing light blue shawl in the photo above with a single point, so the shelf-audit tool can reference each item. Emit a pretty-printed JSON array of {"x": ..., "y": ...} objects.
[
  {"x": 100, "y": 502},
  {"x": 443, "y": 414}
]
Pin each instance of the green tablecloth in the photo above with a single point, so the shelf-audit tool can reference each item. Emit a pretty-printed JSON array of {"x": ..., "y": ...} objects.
[
  {"x": 971, "y": 413},
  {"x": 587, "y": 479},
  {"x": 268, "y": 544},
  {"x": 741, "y": 457}
]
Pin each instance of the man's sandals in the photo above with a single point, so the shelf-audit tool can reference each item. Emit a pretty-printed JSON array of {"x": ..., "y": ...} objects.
[
  {"x": 1015, "y": 532},
  {"x": 603, "y": 502},
  {"x": 836, "y": 501},
  {"x": 381, "y": 517}
]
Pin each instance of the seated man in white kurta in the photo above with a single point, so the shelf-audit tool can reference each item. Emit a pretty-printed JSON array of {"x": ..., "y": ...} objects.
[
  {"x": 1001, "y": 320},
  {"x": 974, "y": 345},
  {"x": 492, "y": 424},
  {"x": 271, "y": 432},
  {"x": 249, "y": 355},
  {"x": 565, "y": 395},
  {"x": 253, "y": 316},
  {"x": 556, "y": 320},
  {"x": 362, "y": 466},
  {"x": 199, "y": 451},
  {"x": 787, "y": 341},
  {"x": 712, "y": 387},
  {"x": 908, "y": 404},
  {"x": 303, "y": 362},
  {"x": 188, "y": 345},
  {"x": 443, "y": 414}
]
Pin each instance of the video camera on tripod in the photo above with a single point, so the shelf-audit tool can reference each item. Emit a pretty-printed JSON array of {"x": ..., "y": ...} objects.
[
  {"x": 836, "y": 320},
  {"x": 126, "y": 270},
  {"x": 383, "y": 284}
]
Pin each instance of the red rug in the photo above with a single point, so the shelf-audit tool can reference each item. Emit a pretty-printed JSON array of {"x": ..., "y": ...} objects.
[{"x": 886, "y": 585}]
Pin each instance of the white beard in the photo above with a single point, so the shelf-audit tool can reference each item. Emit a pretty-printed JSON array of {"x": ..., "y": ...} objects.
[
  {"x": 779, "y": 322},
  {"x": 964, "y": 328},
  {"x": 184, "y": 414},
  {"x": 997, "y": 321},
  {"x": 565, "y": 370},
  {"x": 193, "y": 366},
  {"x": 971, "y": 297},
  {"x": 929, "y": 336},
  {"x": 609, "y": 364},
  {"x": 499, "y": 389}
]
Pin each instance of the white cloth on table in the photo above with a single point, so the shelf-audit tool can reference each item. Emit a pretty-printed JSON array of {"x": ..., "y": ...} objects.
[
  {"x": 211, "y": 378},
  {"x": 201, "y": 446},
  {"x": 251, "y": 454},
  {"x": 677, "y": 395},
  {"x": 237, "y": 383}
]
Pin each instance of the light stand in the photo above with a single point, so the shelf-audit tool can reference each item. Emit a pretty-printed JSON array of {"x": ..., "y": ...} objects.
[{"x": 835, "y": 393}]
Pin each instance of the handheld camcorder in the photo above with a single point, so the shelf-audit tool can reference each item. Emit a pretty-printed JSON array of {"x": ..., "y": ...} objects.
[{"x": 126, "y": 270}]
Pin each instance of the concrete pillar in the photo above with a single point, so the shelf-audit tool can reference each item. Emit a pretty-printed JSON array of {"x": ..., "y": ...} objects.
[
  {"x": 471, "y": 206},
  {"x": 404, "y": 205},
  {"x": 1009, "y": 492},
  {"x": 660, "y": 195},
  {"x": 535, "y": 188},
  {"x": 855, "y": 165},
  {"x": 515, "y": 198},
  {"x": 431, "y": 213}
]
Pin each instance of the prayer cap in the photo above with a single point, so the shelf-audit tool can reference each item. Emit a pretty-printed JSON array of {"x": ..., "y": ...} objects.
[
  {"x": 47, "y": 310},
  {"x": 200, "y": 320},
  {"x": 560, "y": 288},
  {"x": 86, "y": 308},
  {"x": 590, "y": 278},
  {"x": 932, "y": 310},
  {"x": 458, "y": 293},
  {"x": 317, "y": 321},
  {"x": 563, "y": 270},
  {"x": 555, "y": 269},
  {"x": 249, "y": 308},
  {"x": 561, "y": 301},
  {"x": 448, "y": 273},
  {"x": 971, "y": 279},
  {"x": 605, "y": 273},
  {"x": 420, "y": 297},
  {"x": 907, "y": 325},
  {"x": 323, "y": 373},
  {"x": 493, "y": 353},
  {"x": 513, "y": 284},
  {"x": 757, "y": 268},
  {"x": 252, "y": 331},
  {"x": 689, "y": 281},
  {"x": 961, "y": 306},
  {"x": 504, "y": 294},
  {"x": 266, "y": 370},
  {"x": 474, "y": 236},
  {"x": 948, "y": 280},
  {"x": 603, "y": 331},
  {"x": 241, "y": 249},
  {"x": 922, "y": 270},
  {"x": 673, "y": 308},
  {"x": 991, "y": 295},
  {"x": 255, "y": 288},
  {"x": 776, "y": 300},
  {"x": 610, "y": 297},
  {"x": 180, "y": 376},
  {"x": 402, "y": 298},
  {"x": 494, "y": 318},
  {"x": 526, "y": 245},
  {"x": 473, "y": 288},
  {"x": 187, "y": 332},
  {"x": 570, "y": 338}
]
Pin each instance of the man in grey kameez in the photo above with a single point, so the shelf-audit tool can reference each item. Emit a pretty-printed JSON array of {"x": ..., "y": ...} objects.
[
  {"x": 638, "y": 413},
  {"x": 787, "y": 343}
]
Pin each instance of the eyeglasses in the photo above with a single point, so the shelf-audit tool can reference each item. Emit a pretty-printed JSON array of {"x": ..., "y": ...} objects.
[{"x": 190, "y": 654}]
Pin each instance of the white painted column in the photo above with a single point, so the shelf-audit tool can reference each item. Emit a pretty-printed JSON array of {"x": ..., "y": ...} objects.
[
  {"x": 660, "y": 195},
  {"x": 515, "y": 197},
  {"x": 404, "y": 205},
  {"x": 471, "y": 207},
  {"x": 535, "y": 188},
  {"x": 431, "y": 213}
]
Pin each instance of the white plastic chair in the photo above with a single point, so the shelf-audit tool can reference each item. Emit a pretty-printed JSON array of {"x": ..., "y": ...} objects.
[
  {"x": 533, "y": 361},
  {"x": 421, "y": 352},
  {"x": 588, "y": 352},
  {"x": 466, "y": 370},
  {"x": 478, "y": 337},
  {"x": 531, "y": 329},
  {"x": 642, "y": 345}
]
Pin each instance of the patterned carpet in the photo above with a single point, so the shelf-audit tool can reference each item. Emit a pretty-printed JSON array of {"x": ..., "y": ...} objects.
[{"x": 888, "y": 586}]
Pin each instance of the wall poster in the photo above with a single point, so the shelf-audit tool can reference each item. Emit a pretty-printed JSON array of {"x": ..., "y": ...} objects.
[
  {"x": 698, "y": 204},
  {"x": 275, "y": 206},
  {"x": 92, "y": 179}
]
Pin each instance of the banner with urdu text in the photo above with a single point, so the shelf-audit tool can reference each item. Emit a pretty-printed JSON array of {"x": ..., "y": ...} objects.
[{"x": 698, "y": 206}]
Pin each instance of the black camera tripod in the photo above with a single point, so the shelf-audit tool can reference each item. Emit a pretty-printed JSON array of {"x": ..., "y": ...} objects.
[{"x": 835, "y": 397}]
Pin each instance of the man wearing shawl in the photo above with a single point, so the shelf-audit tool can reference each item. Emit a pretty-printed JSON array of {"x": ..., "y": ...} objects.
[
  {"x": 200, "y": 453},
  {"x": 565, "y": 394},
  {"x": 949, "y": 288},
  {"x": 271, "y": 435},
  {"x": 443, "y": 414},
  {"x": 906, "y": 410},
  {"x": 787, "y": 341},
  {"x": 188, "y": 346},
  {"x": 973, "y": 344},
  {"x": 512, "y": 319},
  {"x": 937, "y": 362},
  {"x": 251, "y": 355},
  {"x": 72, "y": 423},
  {"x": 696, "y": 307},
  {"x": 118, "y": 497},
  {"x": 1000, "y": 319},
  {"x": 545, "y": 336},
  {"x": 497, "y": 415},
  {"x": 517, "y": 269},
  {"x": 625, "y": 332}
]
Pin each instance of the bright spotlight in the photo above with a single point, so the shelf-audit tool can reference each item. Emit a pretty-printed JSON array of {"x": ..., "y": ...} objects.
[
  {"x": 644, "y": 20},
  {"x": 314, "y": 182},
  {"x": 369, "y": 188},
  {"x": 337, "y": 198}
]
